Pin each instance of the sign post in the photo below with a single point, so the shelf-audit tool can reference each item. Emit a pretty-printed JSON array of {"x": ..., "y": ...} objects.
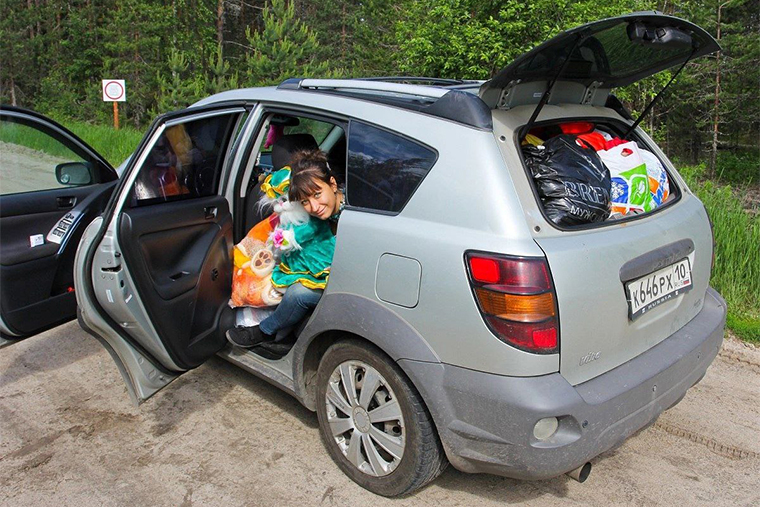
[{"x": 114, "y": 90}]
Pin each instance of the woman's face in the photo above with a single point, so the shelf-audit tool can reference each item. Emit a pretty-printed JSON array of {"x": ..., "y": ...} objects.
[{"x": 325, "y": 202}]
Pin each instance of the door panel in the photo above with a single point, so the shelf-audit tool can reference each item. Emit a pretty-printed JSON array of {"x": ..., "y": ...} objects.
[
  {"x": 156, "y": 272},
  {"x": 37, "y": 282},
  {"x": 42, "y": 219},
  {"x": 179, "y": 258}
]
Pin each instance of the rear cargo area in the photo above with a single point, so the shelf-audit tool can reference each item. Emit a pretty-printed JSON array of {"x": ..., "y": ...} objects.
[
  {"x": 588, "y": 172},
  {"x": 599, "y": 268}
]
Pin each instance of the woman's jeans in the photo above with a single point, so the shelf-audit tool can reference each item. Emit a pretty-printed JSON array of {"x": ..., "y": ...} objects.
[{"x": 295, "y": 304}]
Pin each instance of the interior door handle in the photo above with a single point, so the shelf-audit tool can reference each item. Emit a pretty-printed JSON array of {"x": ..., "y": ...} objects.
[
  {"x": 177, "y": 276},
  {"x": 66, "y": 202},
  {"x": 210, "y": 212}
]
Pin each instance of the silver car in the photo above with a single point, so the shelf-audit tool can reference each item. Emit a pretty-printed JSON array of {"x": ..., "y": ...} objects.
[{"x": 460, "y": 324}]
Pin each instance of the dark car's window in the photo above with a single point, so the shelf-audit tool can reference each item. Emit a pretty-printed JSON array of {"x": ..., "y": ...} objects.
[
  {"x": 384, "y": 169},
  {"x": 185, "y": 162}
]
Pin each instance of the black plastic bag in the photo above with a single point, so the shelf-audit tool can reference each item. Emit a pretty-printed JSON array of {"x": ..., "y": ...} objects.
[{"x": 573, "y": 183}]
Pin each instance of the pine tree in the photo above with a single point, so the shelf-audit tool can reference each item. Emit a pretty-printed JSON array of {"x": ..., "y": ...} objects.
[
  {"x": 218, "y": 77},
  {"x": 178, "y": 90},
  {"x": 285, "y": 47}
]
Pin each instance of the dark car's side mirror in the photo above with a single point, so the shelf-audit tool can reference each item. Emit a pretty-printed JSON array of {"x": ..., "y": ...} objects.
[
  {"x": 658, "y": 36},
  {"x": 74, "y": 173}
]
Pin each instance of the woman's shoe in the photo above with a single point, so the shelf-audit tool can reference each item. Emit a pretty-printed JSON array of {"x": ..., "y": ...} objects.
[{"x": 247, "y": 337}]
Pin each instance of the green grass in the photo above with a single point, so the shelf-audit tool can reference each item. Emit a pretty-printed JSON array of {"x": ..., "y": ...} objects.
[
  {"x": 736, "y": 274},
  {"x": 114, "y": 145},
  {"x": 739, "y": 167},
  {"x": 29, "y": 137}
]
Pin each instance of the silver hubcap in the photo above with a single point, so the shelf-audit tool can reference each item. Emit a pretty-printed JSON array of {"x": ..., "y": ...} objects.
[{"x": 365, "y": 418}]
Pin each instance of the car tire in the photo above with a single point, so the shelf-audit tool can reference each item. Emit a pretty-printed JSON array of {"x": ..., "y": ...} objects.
[{"x": 405, "y": 452}]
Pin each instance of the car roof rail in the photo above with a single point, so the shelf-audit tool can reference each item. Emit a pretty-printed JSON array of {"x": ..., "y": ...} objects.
[
  {"x": 455, "y": 105},
  {"x": 415, "y": 79},
  {"x": 364, "y": 85}
]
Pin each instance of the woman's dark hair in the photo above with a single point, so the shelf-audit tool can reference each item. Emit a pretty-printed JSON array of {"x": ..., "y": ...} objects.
[{"x": 306, "y": 168}]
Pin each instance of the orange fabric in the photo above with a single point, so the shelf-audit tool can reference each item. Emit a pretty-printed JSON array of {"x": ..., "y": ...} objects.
[{"x": 253, "y": 265}]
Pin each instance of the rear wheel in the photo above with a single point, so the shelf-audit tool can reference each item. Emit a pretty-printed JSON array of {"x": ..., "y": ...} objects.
[{"x": 373, "y": 423}]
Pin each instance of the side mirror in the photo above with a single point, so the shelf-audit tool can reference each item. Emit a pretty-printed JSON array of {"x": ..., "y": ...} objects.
[
  {"x": 74, "y": 173},
  {"x": 658, "y": 36}
]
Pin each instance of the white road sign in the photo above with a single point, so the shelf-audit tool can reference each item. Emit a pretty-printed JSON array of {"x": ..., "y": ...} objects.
[{"x": 114, "y": 90}]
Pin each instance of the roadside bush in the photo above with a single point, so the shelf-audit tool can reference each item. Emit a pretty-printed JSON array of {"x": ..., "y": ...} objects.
[
  {"x": 736, "y": 274},
  {"x": 739, "y": 166}
]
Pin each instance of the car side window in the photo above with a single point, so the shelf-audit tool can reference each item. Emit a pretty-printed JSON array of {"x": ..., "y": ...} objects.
[
  {"x": 384, "y": 169},
  {"x": 185, "y": 162},
  {"x": 30, "y": 157}
]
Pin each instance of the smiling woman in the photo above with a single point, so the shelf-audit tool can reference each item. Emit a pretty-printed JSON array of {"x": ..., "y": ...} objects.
[{"x": 306, "y": 246}]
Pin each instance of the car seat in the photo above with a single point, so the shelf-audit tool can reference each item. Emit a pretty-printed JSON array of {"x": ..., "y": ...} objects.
[{"x": 282, "y": 152}]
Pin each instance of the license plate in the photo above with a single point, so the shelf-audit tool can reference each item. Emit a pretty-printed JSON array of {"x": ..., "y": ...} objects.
[{"x": 649, "y": 292}]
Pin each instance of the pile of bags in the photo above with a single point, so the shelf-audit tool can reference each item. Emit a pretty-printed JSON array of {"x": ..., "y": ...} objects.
[{"x": 586, "y": 175}]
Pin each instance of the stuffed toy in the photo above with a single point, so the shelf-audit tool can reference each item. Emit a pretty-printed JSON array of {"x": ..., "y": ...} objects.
[
  {"x": 254, "y": 262},
  {"x": 287, "y": 247},
  {"x": 303, "y": 245}
]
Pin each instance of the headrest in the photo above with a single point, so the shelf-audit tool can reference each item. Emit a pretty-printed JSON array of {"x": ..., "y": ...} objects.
[{"x": 286, "y": 146}]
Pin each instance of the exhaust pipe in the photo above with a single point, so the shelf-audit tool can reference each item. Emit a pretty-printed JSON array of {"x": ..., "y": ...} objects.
[{"x": 581, "y": 473}]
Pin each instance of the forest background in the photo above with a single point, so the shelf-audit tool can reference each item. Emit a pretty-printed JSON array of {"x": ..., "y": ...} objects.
[{"x": 54, "y": 53}]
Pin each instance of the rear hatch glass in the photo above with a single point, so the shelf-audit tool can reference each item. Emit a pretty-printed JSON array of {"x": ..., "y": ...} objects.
[{"x": 608, "y": 53}]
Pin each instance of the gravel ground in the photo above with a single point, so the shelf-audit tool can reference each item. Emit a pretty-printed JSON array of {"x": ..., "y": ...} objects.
[
  {"x": 218, "y": 436},
  {"x": 26, "y": 169}
]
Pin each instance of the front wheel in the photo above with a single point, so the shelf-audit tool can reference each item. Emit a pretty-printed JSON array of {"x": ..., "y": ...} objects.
[{"x": 374, "y": 423}]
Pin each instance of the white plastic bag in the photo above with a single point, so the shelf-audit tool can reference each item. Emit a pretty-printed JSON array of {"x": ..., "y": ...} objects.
[{"x": 630, "y": 181}]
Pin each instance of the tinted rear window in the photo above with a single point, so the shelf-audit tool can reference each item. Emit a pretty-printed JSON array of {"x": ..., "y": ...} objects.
[
  {"x": 384, "y": 169},
  {"x": 185, "y": 162},
  {"x": 608, "y": 55}
]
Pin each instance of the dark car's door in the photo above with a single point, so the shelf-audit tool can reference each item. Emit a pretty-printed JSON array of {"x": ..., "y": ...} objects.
[
  {"x": 51, "y": 185},
  {"x": 154, "y": 273}
]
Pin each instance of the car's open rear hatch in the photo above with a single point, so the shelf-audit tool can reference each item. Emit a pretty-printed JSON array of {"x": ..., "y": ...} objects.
[{"x": 596, "y": 57}]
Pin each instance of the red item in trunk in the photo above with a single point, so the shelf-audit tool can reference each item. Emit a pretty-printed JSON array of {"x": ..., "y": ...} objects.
[
  {"x": 576, "y": 127},
  {"x": 595, "y": 139},
  {"x": 614, "y": 142}
]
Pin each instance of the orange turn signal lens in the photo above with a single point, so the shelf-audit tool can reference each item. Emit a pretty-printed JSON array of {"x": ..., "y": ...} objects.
[{"x": 517, "y": 308}]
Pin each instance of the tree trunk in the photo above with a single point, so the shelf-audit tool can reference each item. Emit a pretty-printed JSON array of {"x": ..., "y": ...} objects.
[
  {"x": 716, "y": 104},
  {"x": 30, "y": 6},
  {"x": 13, "y": 92},
  {"x": 343, "y": 35},
  {"x": 220, "y": 22}
]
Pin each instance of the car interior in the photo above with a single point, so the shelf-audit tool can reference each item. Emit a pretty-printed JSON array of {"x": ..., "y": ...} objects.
[{"x": 282, "y": 135}]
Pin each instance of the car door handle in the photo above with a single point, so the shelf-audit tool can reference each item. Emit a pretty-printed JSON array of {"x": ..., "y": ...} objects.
[
  {"x": 66, "y": 202},
  {"x": 177, "y": 276},
  {"x": 210, "y": 212}
]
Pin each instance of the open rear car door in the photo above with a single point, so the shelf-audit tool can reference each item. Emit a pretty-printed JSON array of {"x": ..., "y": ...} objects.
[
  {"x": 594, "y": 58},
  {"x": 650, "y": 270},
  {"x": 52, "y": 184},
  {"x": 153, "y": 274}
]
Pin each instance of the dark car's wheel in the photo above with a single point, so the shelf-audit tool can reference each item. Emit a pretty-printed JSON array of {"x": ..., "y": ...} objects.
[{"x": 373, "y": 423}]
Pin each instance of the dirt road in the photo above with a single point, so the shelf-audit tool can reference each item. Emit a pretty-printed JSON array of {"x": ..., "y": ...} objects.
[
  {"x": 218, "y": 436},
  {"x": 26, "y": 169}
]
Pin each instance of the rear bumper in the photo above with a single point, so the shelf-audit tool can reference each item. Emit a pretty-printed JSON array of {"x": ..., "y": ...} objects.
[{"x": 486, "y": 421}]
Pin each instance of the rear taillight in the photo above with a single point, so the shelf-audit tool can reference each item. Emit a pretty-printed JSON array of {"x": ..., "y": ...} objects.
[{"x": 517, "y": 300}]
